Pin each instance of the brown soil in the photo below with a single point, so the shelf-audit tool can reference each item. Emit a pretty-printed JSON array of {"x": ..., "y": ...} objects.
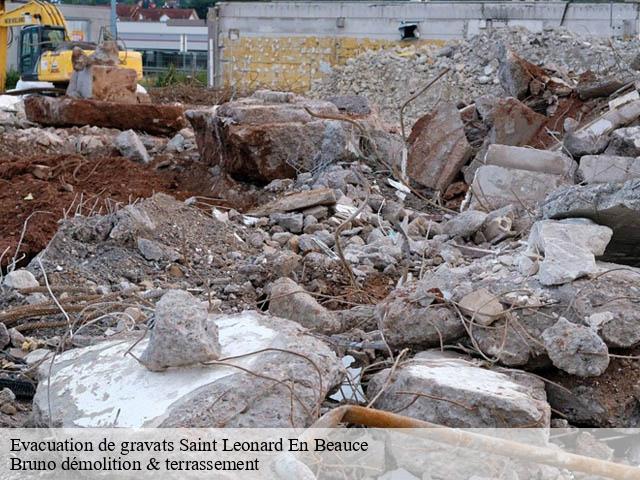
[
  {"x": 77, "y": 185},
  {"x": 189, "y": 94}
]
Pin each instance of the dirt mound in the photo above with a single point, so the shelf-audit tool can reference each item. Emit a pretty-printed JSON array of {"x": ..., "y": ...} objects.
[{"x": 75, "y": 185}]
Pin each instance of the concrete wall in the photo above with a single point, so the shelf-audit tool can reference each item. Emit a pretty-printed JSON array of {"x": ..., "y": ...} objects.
[
  {"x": 285, "y": 45},
  {"x": 81, "y": 18}
]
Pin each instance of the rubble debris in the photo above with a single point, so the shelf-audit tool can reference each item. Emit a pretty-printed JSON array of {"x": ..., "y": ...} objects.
[
  {"x": 89, "y": 386},
  {"x": 180, "y": 335},
  {"x": 289, "y": 300},
  {"x": 614, "y": 205},
  {"x": 297, "y": 201},
  {"x": 67, "y": 112},
  {"x": 319, "y": 213},
  {"x": 576, "y": 349},
  {"x": 569, "y": 247},
  {"x": 129, "y": 145},
  {"x": 273, "y": 135},
  {"x": 438, "y": 148},
  {"x": 386, "y": 76},
  {"x": 448, "y": 390},
  {"x": 608, "y": 169}
]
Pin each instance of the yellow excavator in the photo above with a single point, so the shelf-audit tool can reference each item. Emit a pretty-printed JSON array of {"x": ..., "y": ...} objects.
[{"x": 45, "y": 47}]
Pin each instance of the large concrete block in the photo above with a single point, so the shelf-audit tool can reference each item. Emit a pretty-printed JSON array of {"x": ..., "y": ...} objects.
[
  {"x": 543, "y": 161},
  {"x": 615, "y": 205},
  {"x": 448, "y": 390},
  {"x": 101, "y": 386},
  {"x": 68, "y": 112},
  {"x": 608, "y": 168},
  {"x": 494, "y": 187}
]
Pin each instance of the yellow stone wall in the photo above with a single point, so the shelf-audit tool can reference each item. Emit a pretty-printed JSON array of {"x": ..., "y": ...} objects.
[{"x": 291, "y": 63}]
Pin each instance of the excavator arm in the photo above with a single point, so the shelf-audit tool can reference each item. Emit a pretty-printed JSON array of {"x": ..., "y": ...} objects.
[{"x": 35, "y": 12}]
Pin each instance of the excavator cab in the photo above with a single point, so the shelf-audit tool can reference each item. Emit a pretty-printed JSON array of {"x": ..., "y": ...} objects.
[{"x": 34, "y": 41}]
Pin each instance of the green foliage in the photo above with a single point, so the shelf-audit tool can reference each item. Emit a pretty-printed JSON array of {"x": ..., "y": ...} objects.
[
  {"x": 12, "y": 78},
  {"x": 173, "y": 76}
]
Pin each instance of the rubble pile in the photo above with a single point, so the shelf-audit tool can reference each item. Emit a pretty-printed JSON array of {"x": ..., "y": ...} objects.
[
  {"x": 388, "y": 77},
  {"x": 288, "y": 256}
]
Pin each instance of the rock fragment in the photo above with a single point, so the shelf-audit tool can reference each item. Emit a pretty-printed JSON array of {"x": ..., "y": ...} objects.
[
  {"x": 576, "y": 349},
  {"x": 289, "y": 300},
  {"x": 20, "y": 278},
  {"x": 482, "y": 306},
  {"x": 181, "y": 335},
  {"x": 130, "y": 146}
]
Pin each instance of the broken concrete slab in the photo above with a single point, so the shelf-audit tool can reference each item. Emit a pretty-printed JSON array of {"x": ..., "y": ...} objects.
[
  {"x": 130, "y": 146},
  {"x": 569, "y": 248},
  {"x": 297, "y": 201},
  {"x": 99, "y": 386},
  {"x": 68, "y": 112},
  {"x": 450, "y": 390},
  {"x": 576, "y": 349},
  {"x": 531, "y": 159},
  {"x": 438, "y": 147},
  {"x": 612, "y": 204},
  {"x": 624, "y": 142},
  {"x": 273, "y": 135},
  {"x": 289, "y": 300},
  {"x": 181, "y": 334},
  {"x": 608, "y": 168},
  {"x": 494, "y": 187}
]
